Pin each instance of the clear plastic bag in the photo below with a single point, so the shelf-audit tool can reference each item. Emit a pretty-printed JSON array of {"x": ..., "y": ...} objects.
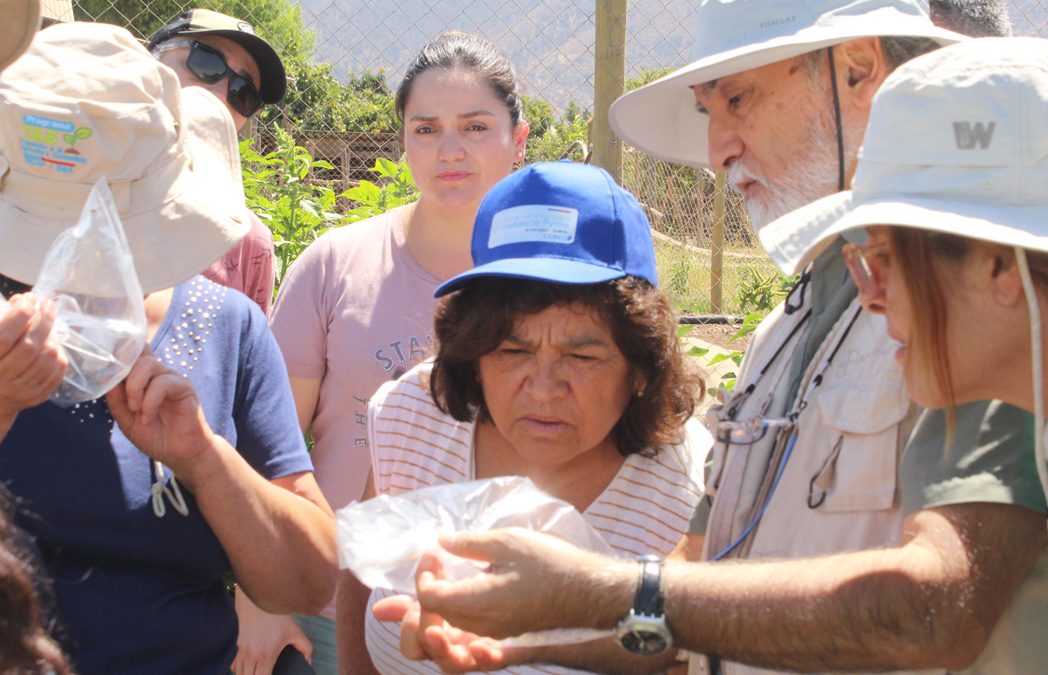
[
  {"x": 100, "y": 319},
  {"x": 381, "y": 539}
]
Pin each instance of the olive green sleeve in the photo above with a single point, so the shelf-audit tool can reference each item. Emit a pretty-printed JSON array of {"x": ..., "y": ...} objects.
[{"x": 990, "y": 459}]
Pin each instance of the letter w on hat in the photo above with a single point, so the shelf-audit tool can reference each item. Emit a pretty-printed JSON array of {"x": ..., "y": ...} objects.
[{"x": 971, "y": 134}]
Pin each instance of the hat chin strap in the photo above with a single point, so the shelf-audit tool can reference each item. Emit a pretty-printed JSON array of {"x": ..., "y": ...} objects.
[
  {"x": 837, "y": 120},
  {"x": 1038, "y": 367}
]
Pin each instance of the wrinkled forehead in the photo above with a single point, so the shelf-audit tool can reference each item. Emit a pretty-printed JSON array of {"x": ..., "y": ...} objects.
[{"x": 768, "y": 74}]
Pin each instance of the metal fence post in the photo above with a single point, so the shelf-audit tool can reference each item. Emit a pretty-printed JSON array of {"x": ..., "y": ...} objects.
[{"x": 608, "y": 80}]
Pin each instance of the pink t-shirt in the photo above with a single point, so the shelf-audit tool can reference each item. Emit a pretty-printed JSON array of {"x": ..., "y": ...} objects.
[
  {"x": 356, "y": 310},
  {"x": 248, "y": 266}
]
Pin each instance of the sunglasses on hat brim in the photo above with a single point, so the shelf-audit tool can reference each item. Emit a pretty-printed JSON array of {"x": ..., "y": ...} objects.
[{"x": 209, "y": 66}]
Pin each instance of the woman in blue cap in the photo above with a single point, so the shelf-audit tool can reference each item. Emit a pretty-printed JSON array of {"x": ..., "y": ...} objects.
[{"x": 557, "y": 359}]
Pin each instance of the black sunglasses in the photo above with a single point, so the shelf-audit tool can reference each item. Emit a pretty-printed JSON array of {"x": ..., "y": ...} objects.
[{"x": 209, "y": 66}]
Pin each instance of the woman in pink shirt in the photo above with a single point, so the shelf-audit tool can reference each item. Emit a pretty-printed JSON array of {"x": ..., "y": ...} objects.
[{"x": 356, "y": 309}]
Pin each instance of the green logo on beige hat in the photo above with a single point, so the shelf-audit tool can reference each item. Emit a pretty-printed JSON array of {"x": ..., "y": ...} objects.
[{"x": 81, "y": 133}]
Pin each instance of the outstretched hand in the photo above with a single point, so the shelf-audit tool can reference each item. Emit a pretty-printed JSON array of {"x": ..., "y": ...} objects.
[
  {"x": 534, "y": 582},
  {"x": 427, "y": 636},
  {"x": 158, "y": 411}
]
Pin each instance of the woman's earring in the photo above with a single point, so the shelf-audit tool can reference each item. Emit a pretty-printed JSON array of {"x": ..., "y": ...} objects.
[{"x": 640, "y": 393}]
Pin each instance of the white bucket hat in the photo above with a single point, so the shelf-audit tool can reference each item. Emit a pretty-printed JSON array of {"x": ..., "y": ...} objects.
[
  {"x": 86, "y": 101},
  {"x": 21, "y": 21},
  {"x": 957, "y": 142},
  {"x": 738, "y": 35}
]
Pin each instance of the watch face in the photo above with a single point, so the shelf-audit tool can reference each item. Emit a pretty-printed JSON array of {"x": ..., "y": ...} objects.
[{"x": 644, "y": 642}]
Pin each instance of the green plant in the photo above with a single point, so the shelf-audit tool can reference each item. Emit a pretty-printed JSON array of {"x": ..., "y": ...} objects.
[
  {"x": 679, "y": 277},
  {"x": 396, "y": 188},
  {"x": 279, "y": 188},
  {"x": 296, "y": 210},
  {"x": 551, "y": 136},
  {"x": 762, "y": 291}
]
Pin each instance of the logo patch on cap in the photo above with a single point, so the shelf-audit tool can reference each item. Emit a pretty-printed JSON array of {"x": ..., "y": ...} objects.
[
  {"x": 533, "y": 223},
  {"x": 969, "y": 134},
  {"x": 245, "y": 27},
  {"x": 51, "y": 143}
]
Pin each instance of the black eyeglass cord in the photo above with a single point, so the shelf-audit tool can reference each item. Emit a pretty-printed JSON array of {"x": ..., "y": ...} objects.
[
  {"x": 799, "y": 287},
  {"x": 837, "y": 120},
  {"x": 753, "y": 385}
]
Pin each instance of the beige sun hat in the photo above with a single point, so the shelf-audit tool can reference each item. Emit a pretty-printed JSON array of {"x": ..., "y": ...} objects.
[
  {"x": 21, "y": 21},
  {"x": 737, "y": 35},
  {"x": 86, "y": 101},
  {"x": 957, "y": 143}
]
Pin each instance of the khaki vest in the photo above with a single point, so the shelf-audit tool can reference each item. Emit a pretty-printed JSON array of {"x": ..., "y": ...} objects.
[{"x": 837, "y": 491}]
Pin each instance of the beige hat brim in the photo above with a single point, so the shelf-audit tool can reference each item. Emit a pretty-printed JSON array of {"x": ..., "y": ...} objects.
[
  {"x": 660, "y": 118},
  {"x": 799, "y": 237},
  {"x": 20, "y": 23},
  {"x": 198, "y": 210}
]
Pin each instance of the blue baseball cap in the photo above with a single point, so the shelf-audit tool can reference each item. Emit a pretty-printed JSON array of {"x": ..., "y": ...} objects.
[{"x": 561, "y": 222}]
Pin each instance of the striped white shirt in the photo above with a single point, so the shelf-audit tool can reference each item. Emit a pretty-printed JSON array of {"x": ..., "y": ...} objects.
[{"x": 645, "y": 509}]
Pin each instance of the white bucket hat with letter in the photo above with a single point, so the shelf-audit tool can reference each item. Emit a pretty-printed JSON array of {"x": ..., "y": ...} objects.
[
  {"x": 21, "y": 21},
  {"x": 87, "y": 100},
  {"x": 738, "y": 35}
]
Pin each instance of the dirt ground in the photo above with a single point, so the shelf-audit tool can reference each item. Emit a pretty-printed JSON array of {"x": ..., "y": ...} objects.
[{"x": 719, "y": 334}]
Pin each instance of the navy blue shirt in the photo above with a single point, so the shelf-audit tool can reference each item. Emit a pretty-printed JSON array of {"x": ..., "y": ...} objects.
[{"x": 135, "y": 593}]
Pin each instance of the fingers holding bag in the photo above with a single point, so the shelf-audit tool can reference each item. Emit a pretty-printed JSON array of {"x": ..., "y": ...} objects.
[{"x": 32, "y": 364}]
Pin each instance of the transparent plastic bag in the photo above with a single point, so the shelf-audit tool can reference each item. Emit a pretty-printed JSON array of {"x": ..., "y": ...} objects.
[
  {"x": 100, "y": 319},
  {"x": 381, "y": 539}
]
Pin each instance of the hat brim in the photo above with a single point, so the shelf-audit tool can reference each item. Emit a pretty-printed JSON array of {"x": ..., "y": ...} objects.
[
  {"x": 198, "y": 216},
  {"x": 660, "y": 118},
  {"x": 270, "y": 67},
  {"x": 169, "y": 244},
  {"x": 21, "y": 21},
  {"x": 799, "y": 237},
  {"x": 552, "y": 270}
]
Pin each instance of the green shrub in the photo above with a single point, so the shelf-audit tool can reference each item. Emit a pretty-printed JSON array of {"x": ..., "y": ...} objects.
[
  {"x": 296, "y": 210},
  {"x": 280, "y": 187}
]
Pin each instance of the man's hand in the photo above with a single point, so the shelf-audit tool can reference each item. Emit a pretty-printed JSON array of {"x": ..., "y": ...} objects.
[
  {"x": 534, "y": 582},
  {"x": 263, "y": 636},
  {"x": 158, "y": 411},
  {"x": 427, "y": 636},
  {"x": 31, "y": 365}
]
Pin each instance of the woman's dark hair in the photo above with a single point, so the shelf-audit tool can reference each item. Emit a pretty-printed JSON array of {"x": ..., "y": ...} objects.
[
  {"x": 454, "y": 49},
  {"x": 25, "y": 647},
  {"x": 475, "y": 320}
]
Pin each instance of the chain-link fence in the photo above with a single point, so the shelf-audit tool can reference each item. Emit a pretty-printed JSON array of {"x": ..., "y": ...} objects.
[{"x": 345, "y": 59}]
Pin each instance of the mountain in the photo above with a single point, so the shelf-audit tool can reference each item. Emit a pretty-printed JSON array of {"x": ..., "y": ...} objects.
[{"x": 549, "y": 41}]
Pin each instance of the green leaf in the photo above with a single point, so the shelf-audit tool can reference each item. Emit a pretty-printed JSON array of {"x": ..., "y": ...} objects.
[
  {"x": 365, "y": 193},
  {"x": 385, "y": 168}
]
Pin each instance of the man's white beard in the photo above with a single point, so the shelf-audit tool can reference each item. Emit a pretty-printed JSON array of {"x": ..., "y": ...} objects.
[{"x": 812, "y": 176}]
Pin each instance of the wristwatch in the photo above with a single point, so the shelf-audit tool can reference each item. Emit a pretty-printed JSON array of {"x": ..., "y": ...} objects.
[{"x": 644, "y": 630}]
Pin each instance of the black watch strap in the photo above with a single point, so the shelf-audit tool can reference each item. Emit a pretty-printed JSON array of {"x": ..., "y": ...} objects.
[{"x": 648, "y": 600}]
